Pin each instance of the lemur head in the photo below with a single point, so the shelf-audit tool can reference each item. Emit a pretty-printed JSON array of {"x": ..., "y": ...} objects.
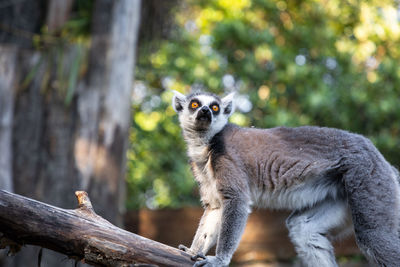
[{"x": 202, "y": 114}]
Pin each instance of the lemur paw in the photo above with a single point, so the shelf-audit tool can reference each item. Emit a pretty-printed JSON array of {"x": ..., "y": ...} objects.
[
  {"x": 198, "y": 256},
  {"x": 210, "y": 261},
  {"x": 186, "y": 249}
]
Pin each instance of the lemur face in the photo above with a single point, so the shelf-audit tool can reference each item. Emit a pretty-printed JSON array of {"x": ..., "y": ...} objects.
[{"x": 203, "y": 112}]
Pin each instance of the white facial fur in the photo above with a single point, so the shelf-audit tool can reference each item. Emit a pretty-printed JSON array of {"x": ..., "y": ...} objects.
[{"x": 188, "y": 120}]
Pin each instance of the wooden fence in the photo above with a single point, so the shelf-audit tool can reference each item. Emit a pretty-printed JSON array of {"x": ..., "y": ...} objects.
[{"x": 265, "y": 237}]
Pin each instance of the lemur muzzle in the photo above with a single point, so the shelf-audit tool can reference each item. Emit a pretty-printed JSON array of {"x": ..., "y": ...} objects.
[{"x": 204, "y": 114}]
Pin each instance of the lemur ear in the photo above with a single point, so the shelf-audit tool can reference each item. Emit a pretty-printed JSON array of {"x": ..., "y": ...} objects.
[
  {"x": 228, "y": 104},
  {"x": 177, "y": 101}
]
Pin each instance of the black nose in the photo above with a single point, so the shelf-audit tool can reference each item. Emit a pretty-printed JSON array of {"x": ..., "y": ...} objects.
[{"x": 204, "y": 110}]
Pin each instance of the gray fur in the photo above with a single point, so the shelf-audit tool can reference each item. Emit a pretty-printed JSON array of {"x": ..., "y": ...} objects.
[{"x": 328, "y": 177}]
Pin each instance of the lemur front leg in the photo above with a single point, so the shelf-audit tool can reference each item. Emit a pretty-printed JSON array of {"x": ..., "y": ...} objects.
[
  {"x": 206, "y": 234},
  {"x": 235, "y": 211}
]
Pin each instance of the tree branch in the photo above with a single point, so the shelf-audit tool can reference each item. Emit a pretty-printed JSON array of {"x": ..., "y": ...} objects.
[{"x": 80, "y": 234}]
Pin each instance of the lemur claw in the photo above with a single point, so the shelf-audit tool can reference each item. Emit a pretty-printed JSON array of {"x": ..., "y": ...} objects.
[
  {"x": 198, "y": 256},
  {"x": 195, "y": 257},
  {"x": 187, "y": 250},
  {"x": 183, "y": 248},
  {"x": 210, "y": 261}
]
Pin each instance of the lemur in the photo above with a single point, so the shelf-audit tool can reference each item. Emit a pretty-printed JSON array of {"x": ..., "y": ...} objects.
[{"x": 330, "y": 178}]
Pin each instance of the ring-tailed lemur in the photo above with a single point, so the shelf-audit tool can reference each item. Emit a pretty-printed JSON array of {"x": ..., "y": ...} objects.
[{"x": 326, "y": 176}]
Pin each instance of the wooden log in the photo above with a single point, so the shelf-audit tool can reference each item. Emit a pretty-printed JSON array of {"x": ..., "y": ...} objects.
[{"x": 80, "y": 234}]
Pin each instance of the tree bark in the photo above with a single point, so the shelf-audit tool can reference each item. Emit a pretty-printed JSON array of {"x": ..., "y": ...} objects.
[
  {"x": 7, "y": 73},
  {"x": 57, "y": 14},
  {"x": 80, "y": 234},
  {"x": 104, "y": 104},
  {"x": 20, "y": 20},
  {"x": 59, "y": 139}
]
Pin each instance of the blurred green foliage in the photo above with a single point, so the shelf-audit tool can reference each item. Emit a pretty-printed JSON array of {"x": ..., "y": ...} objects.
[
  {"x": 158, "y": 173},
  {"x": 328, "y": 63}
]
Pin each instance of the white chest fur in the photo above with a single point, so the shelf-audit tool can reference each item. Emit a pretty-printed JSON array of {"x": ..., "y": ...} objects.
[{"x": 204, "y": 175}]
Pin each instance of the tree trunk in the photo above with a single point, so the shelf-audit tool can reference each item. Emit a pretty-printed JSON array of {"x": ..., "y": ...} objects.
[
  {"x": 103, "y": 105},
  {"x": 80, "y": 234},
  {"x": 65, "y": 119},
  {"x": 7, "y": 73},
  {"x": 57, "y": 14}
]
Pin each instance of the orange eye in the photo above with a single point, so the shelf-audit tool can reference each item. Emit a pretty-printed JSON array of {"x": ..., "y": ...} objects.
[
  {"x": 195, "y": 105},
  {"x": 215, "y": 108}
]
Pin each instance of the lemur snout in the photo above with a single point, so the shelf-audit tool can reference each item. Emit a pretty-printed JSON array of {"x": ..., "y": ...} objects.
[
  {"x": 204, "y": 109},
  {"x": 204, "y": 114}
]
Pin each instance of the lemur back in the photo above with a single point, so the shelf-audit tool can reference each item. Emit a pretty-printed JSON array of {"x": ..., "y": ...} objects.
[{"x": 328, "y": 177}]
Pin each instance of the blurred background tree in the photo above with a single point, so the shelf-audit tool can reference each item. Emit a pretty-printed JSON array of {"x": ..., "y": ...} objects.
[
  {"x": 327, "y": 63},
  {"x": 66, "y": 73}
]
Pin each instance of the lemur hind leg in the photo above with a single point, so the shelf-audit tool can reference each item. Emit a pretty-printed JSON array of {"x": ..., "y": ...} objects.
[{"x": 309, "y": 230}]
